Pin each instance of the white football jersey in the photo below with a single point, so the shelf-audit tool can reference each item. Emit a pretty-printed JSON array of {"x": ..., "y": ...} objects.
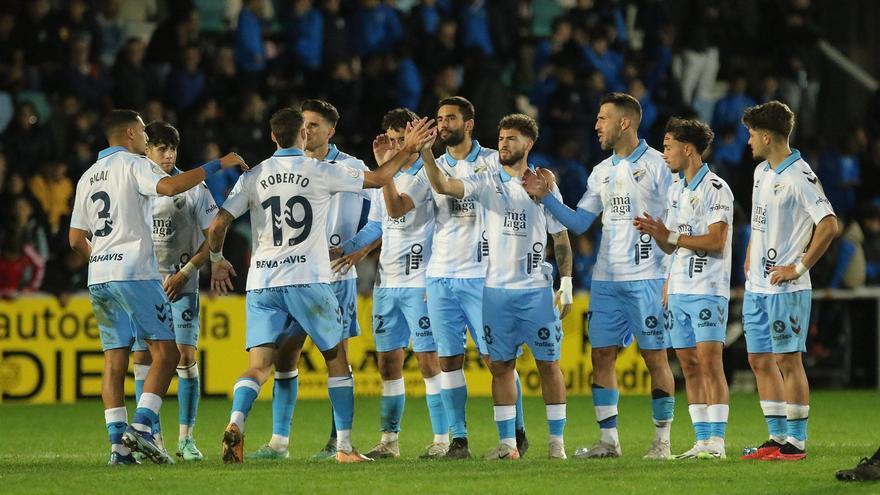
[
  {"x": 178, "y": 223},
  {"x": 406, "y": 240},
  {"x": 517, "y": 230},
  {"x": 786, "y": 205},
  {"x": 288, "y": 196},
  {"x": 691, "y": 209},
  {"x": 345, "y": 209},
  {"x": 114, "y": 203},
  {"x": 622, "y": 189},
  {"x": 460, "y": 245}
]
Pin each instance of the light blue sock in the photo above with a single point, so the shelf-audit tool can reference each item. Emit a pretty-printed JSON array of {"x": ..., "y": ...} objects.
[
  {"x": 775, "y": 416},
  {"x": 662, "y": 409},
  {"x": 187, "y": 394},
  {"x": 391, "y": 405},
  {"x": 454, "y": 395},
  {"x": 556, "y": 420},
  {"x": 341, "y": 391},
  {"x": 520, "y": 418},
  {"x": 116, "y": 421},
  {"x": 244, "y": 394},
  {"x": 146, "y": 416},
  {"x": 436, "y": 411},
  {"x": 505, "y": 420},
  {"x": 703, "y": 430},
  {"x": 284, "y": 394},
  {"x": 796, "y": 424}
]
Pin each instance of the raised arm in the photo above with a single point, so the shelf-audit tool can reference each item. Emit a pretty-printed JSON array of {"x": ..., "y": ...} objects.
[
  {"x": 417, "y": 134},
  {"x": 173, "y": 185},
  {"x": 440, "y": 182},
  {"x": 539, "y": 186}
]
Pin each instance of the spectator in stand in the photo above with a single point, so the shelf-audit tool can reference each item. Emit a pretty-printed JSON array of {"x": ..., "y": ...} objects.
[
  {"x": 32, "y": 34},
  {"x": 559, "y": 41},
  {"x": 66, "y": 273},
  {"x": 408, "y": 79},
  {"x": 248, "y": 133},
  {"x": 133, "y": 84},
  {"x": 113, "y": 31},
  {"x": 871, "y": 244},
  {"x": 85, "y": 78},
  {"x": 700, "y": 57},
  {"x": 649, "y": 109},
  {"x": 584, "y": 260},
  {"x": 336, "y": 34},
  {"x": 729, "y": 109},
  {"x": 843, "y": 265},
  {"x": 376, "y": 28},
  {"x": 840, "y": 171},
  {"x": 187, "y": 81},
  {"x": 26, "y": 142},
  {"x": 21, "y": 265},
  {"x": 599, "y": 56},
  {"x": 53, "y": 191},
  {"x": 475, "y": 32},
  {"x": 769, "y": 90},
  {"x": 75, "y": 22},
  {"x": 304, "y": 33},
  {"x": 250, "y": 55},
  {"x": 179, "y": 30}
]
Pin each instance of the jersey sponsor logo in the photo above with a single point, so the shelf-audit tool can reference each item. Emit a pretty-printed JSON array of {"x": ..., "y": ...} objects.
[
  {"x": 621, "y": 206},
  {"x": 651, "y": 321},
  {"x": 543, "y": 333},
  {"x": 162, "y": 227},
  {"x": 99, "y": 258},
  {"x": 396, "y": 222},
  {"x": 414, "y": 258},
  {"x": 768, "y": 261},
  {"x": 697, "y": 263},
  {"x": 759, "y": 218},
  {"x": 706, "y": 315},
  {"x": 719, "y": 207},
  {"x": 515, "y": 222},
  {"x": 463, "y": 207},
  {"x": 289, "y": 260},
  {"x": 211, "y": 208},
  {"x": 821, "y": 201},
  {"x": 535, "y": 258},
  {"x": 642, "y": 248},
  {"x": 483, "y": 247},
  {"x": 285, "y": 178}
]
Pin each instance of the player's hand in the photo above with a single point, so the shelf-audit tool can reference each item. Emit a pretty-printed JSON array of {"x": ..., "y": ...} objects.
[
  {"x": 782, "y": 273},
  {"x": 221, "y": 276},
  {"x": 173, "y": 285},
  {"x": 383, "y": 149},
  {"x": 665, "y": 297},
  {"x": 537, "y": 185},
  {"x": 335, "y": 253},
  {"x": 417, "y": 133},
  {"x": 647, "y": 224},
  {"x": 564, "y": 297},
  {"x": 343, "y": 264},
  {"x": 233, "y": 160}
]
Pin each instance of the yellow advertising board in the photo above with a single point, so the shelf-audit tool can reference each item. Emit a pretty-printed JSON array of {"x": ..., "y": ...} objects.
[{"x": 50, "y": 353}]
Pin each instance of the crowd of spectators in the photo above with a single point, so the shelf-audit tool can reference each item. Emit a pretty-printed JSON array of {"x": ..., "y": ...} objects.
[{"x": 217, "y": 69}]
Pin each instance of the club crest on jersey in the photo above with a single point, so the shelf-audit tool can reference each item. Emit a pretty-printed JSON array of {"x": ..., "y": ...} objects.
[
  {"x": 694, "y": 201},
  {"x": 778, "y": 187},
  {"x": 479, "y": 169},
  {"x": 638, "y": 174},
  {"x": 179, "y": 201},
  {"x": 354, "y": 173}
]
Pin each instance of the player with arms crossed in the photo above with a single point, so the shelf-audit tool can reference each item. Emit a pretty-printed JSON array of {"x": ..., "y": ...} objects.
[
  {"x": 518, "y": 295},
  {"x": 113, "y": 207},
  {"x": 697, "y": 290},
  {"x": 404, "y": 219},
  {"x": 457, "y": 271},
  {"x": 288, "y": 293},
  {"x": 180, "y": 224},
  {"x": 792, "y": 226},
  {"x": 625, "y": 297}
]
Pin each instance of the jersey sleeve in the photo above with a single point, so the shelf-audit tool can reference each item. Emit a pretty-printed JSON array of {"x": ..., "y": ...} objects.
[
  {"x": 811, "y": 197},
  {"x": 554, "y": 226},
  {"x": 416, "y": 187},
  {"x": 720, "y": 203},
  {"x": 377, "y": 207},
  {"x": 476, "y": 186},
  {"x": 206, "y": 208},
  {"x": 78, "y": 218},
  {"x": 237, "y": 202},
  {"x": 147, "y": 176},
  {"x": 341, "y": 178},
  {"x": 591, "y": 201}
]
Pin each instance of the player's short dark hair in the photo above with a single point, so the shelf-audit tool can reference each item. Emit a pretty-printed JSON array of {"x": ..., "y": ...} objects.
[
  {"x": 285, "y": 125},
  {"x": 324, "y": 108},
  {"x": 464, "y": 106},
  {"x": 690, "y": 131},
  {"x": 161, "y": 133},
  {"x": 773, "y": 116},
  {"x": 117, "y": 119},
  {"x": 522, "y": 123},
  {"x": 624, "y": 102},
  {"x": 397, "y": 119}
]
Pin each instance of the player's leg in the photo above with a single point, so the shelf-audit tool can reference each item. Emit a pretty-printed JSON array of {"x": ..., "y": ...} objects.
[
  {"x": 711, "y": 333},
  {"x": 677, "y": 319},
  {"x": 771, "y": 392},
  {"x": 608, "y": 331},
  {"x": 141, "y": 361},
  {"x": 425, "y": 348},
  {"x": 448, "y": 323},
  {"x": 150, "y": 314},
  {"x": 186, "y": 333},
  {"x": 791, "y": 313},
  {"x": 284, "y": 393},
  {"x": 502, "y": 342},
  {"x": 244, "y": 393}
]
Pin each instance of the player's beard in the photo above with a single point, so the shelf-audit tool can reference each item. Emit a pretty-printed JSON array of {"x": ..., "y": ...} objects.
[
  {"x": 512, "y": 158},
  {"x": 454, "y": 138}
]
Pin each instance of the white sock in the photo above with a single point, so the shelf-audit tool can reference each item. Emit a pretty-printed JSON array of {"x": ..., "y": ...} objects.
[
  {"x": 444, "y": 438},
  {"x": 774, "y": 408},
  {"x": 121, "y": 449},
  {"x": 237, "y": 417},
  {"x": 661, "y": 433},
  {"x": 141, "y": 371},
  {"x": 343, "y": 440},
  {"x": 279, "y": 443},
  {"x": 609, "y": 436},
  {"x": 184, "y": 432},
  {"x": 389, "y": 436}
]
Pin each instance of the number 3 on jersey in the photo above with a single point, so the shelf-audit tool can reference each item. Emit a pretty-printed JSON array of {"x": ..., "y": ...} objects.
[
  {"x": 104, "y": 212},
  {"x": 296, "y": 218}
]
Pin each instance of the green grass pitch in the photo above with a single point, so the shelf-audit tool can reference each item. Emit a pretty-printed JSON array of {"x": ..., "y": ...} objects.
[{"x": 62, "y": 449}]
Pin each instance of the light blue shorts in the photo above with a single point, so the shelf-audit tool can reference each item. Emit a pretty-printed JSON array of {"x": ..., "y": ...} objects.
[
  {"x": 696, "y": 318},
  {"x": 621, "y": 310},
  {"x": 400, "y": 314},
  {"x": 185, "y": 312},
  {"x": 131, "y": 311},
  {"x": 346, "y": 294},
  {"x": 275, "y": 314},
  {"x": 456, "y": 305},
  {"x": 513, "y": 317},
  {"x": 777, "y": 323}
]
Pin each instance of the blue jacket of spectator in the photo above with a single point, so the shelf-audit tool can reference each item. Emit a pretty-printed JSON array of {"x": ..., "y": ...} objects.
[
  {"x": 249, "y": 55},
  {"x": 185, "y": 88},
  {"x": 408, "y": 84},
  {"x": 475, "y": 29},
  {"x": 375, "y": 30},
  {"x": 305, "y": 35},
  {"x": 609, "y": 64}
]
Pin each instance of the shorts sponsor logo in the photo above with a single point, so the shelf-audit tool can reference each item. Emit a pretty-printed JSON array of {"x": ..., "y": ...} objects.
[
  {"x": 187, "y": 315},
  {"x": 651, "y": 322},
  {"x": 778, "y": 326},
  {"x": 543, "y": 333},
  {"x": 424, "y": 322},
  {"x": 705, "y": 314}
]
